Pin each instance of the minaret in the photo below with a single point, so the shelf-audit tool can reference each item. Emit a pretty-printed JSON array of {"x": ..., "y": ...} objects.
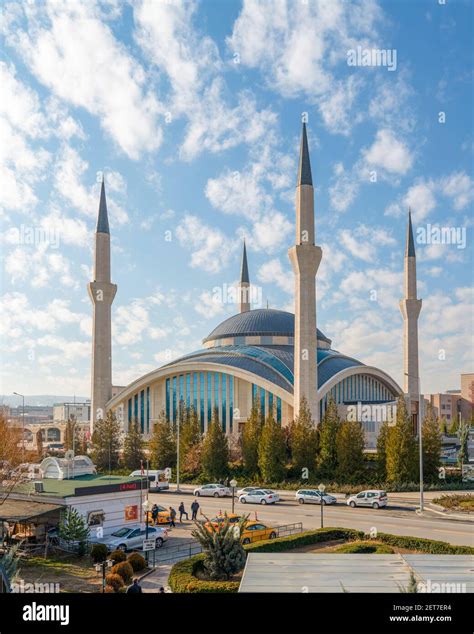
[
  {"x": 102, "y": 293},
  {"x": 410, "y": 307},
  {"x": 244, "y": 284},
  {"x": 305, "y": 258}
]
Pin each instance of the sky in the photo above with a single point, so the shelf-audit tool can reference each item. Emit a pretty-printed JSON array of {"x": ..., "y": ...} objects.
[{"x": 193, "y": 111}]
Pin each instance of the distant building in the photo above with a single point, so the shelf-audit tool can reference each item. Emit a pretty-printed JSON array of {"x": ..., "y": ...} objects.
[
  {"x": 454, "y": 404},
  {"x": 80, "y": 412}
]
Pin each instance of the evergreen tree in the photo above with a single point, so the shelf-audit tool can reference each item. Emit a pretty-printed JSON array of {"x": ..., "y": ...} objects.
[
  {"x": 431, "y": 436},
  {"x": 133, "y": 454},
  {"x": 190, "y": 438},
  {"x": 327, "y": 439},
  {"x": 224, "y": 553},
  {"x": 463, "y": 453},
  {"x": 271, "y": 451},
  {"x": 453, "y": 428},
  {"x": 106, "y": 443},
  {"x": 250, "y": 441},
  {"x": 163, "y": 444},
  {"x": 382, "y": 450},
  {"x": 73, "y": 528},
  {"x": 304, "y": 440},
  {"x": 443, "y": 427},
  {"x": 215, "y": 450},
  {"x": 71, "y": 437},
  {"x": 401, "y": 447},
  {"x": 350, "y": 443}
]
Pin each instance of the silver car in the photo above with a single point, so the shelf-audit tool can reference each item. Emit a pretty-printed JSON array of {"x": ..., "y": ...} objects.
[
  {"x": 131, "y": 537},
  {"x": 374, "y": 498},
  {"x": 313, "y": 496},
  {"x": 213, "y": 490}
]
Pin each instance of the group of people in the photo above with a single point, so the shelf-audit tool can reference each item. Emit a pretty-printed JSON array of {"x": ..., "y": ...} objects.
[{"x": 172, "y": 513}]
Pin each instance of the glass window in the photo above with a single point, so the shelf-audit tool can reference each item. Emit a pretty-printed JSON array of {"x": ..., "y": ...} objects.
[
  {"x": 181, "y": 388},
  {"x": 167, "y": 399},
  {"x": 129, "y": 410},
  {"x": 262, "y": 401},
  {"x": 195, "y": 401},
  {"x": 231, "y": 403},
  {"x": 278, "y": 409},
  {"x": 361, "y": 495},
  {"x": 148, "y": 410},
  {"x": 201, "y": 399},
  {"x": 209, "y": 397},
  {"x": 142, "y": 411},
  {"x": 224, "y": 402},
  {"x": 135, "y": 407},
  {"x": 174, "y": 398},
  {"x": 188, "y": 390}
]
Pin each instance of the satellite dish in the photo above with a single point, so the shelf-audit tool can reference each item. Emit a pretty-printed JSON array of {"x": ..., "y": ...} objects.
[{"x": 69, "y": 455}]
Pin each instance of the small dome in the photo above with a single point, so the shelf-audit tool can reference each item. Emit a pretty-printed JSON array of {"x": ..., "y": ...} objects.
[{"x": 258, "y": 323}]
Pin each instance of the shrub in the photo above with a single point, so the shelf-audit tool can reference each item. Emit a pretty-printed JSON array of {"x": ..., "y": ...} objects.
[
  {"x": 456, "y": 502},
  {"x": 98, "y": 553},
  {"x": 136, "y": 561},
  {"x": 182, "y": 578},
  {"x": 365, "y": 547},
  {"x": 224, "y": 554},
  {"x": 114, "y": 580},
  {"x": 118, "y": 556},
  {"x": 307, "y": 538},
  {"x": 430, "y": 546},
  {"x": 125, "y": 570}
]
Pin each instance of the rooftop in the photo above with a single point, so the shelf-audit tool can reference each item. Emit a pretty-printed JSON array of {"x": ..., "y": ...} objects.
[{"x": 67, "y": 488}]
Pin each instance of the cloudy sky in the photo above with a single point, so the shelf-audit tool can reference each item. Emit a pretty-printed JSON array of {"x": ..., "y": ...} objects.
[{"x": 193, "y": 112}]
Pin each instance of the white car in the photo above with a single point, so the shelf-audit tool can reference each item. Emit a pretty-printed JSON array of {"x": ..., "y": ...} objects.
[
  {"x": 374, "y": 498},
  {"x": 313, "y": 496},
  {"x": 245, "y": 490},
  {"x": 258, "y": 496},
  {"x": 213, "y": 490},
  {"x": 131, "y": 537},
  {"x": 275, "y": 495}
]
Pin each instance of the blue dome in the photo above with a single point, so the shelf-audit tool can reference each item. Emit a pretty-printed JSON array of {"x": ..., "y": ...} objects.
[{"x": 258, "y": 323}]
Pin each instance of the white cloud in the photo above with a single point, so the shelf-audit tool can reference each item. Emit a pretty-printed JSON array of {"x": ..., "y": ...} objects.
[
  {"x": 459, "y": 187},
  {"x": 208, "y": 305},
  {"x": 211, "y": 249},
  {"x": 389, "y": 153},
  {"x": 272, "y": 272}
]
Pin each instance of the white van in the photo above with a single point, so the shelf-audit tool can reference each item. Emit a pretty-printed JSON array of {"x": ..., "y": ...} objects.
[{"x": 158, "y": 478}]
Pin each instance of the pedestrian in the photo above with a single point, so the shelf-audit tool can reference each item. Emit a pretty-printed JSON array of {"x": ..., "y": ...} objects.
[
  {"x": 194, "y": 509},
  {"x": 182, "y": 511},
  {"x": 154, "y": 513},
  {"x": 161, "y": 590},
  {"x": 172, "y": 516},
  {"x": 135, "y": 588}
]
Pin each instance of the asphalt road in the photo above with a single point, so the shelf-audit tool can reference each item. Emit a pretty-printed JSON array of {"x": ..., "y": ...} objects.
[{"x": 399, "y": 517}]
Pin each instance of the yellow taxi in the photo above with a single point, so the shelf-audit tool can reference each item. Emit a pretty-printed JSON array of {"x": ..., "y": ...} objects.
[
  {"x": 253, "y": 531},
  {"x": 163, "y": 516}
]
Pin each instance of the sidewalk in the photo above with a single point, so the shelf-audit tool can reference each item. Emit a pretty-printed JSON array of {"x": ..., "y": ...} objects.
[{"x": 156, "y": 579}]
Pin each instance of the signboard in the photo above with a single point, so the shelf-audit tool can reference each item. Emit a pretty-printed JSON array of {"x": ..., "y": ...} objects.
[
  {"x": 136, "y": 485},
  {"x": 149, "y": 544},
  {"x": 131, "y": 513}
]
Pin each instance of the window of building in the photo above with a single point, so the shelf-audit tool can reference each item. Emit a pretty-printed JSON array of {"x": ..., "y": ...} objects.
[{"x": 142, "y": 411}]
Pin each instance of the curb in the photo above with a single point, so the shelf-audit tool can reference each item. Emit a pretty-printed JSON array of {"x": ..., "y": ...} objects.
[{"x": 445, "y": 514}]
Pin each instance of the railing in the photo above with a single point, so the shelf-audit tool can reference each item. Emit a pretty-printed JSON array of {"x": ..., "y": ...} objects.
[
  {"x": 171, "y": 554},
  {"x": 278, "y": 531}
]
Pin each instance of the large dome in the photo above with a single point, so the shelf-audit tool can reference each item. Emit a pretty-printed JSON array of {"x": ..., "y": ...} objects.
[{"x": 263, "y": 322}]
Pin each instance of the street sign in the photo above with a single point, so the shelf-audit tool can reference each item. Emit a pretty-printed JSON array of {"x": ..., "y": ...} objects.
[{"x": 149, "y": 544}]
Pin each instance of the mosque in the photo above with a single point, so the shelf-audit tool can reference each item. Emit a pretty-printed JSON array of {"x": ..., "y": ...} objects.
[{"x": 268, "y": 356}]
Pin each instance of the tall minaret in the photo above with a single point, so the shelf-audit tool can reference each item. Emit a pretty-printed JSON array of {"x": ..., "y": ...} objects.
[
  {"x": 410, "y": 307},
  {"x": 102, "y": 293},
  {"x": 244, "y": 284},
  {"x": 305, "y": 258}
]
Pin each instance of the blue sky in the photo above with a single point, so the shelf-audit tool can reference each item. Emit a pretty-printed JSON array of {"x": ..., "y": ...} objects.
[{"x": 193, "y": 111}]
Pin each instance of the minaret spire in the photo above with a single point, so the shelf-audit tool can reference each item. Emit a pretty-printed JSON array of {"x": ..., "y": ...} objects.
[
  {"x": 305, "y": 258},
  {"x": 410, "y": 307},
  {"x": 102, "y": 293},
  {"x": 244, "y": 284}
]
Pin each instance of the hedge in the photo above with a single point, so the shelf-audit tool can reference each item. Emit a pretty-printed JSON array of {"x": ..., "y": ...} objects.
[
  {"x": 182, "y": 577},
  {"x": 365, "y": 548}
]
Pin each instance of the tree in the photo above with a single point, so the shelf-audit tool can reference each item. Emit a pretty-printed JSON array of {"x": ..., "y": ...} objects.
[
  {"x": 350, "y": 443},
  {"x": 271, "y": 451},
  {"x": 106, "y": 443},
  {"x": 453, "y": 428},
  {"x": 250, "y": 441},
  {"x": 382, "y": 450},
  {"x": 133, "y": 454},
  {"x": 327, "y": 439},
  {"x": 224, "y": 554},
  {"x": 431, "y": 436},
  {"x": 304, "y": 440},
  {"x": 71, "y": 435},
  {"x": 401, "y": 447},
  {"x": 163, "y": 444},
  {"x": 190, "y": 439},
  {"x": 463, "y": 453},
  {"x": 39, "y": 444},
  {"x": 443, "y": 427},
  {"x": 11, "y": 456},
  {"x": 215, "y": 450},
  {"x": 73, "y": 528}
]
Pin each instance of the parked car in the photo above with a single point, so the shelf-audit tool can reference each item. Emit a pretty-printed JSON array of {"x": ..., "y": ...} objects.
[
  {"x": 313, "y": 496},
  {"x": 131, "y": 538},
  {"x": 219, "y": 520},
  {"x": 258, "y": 496},
  {"x": 163, "y": 516},
  {"x": 255, "y": 531},
  {"x": 373, "y": 498},
  {"x": 275, "y": 495},
  {"x": 245, "y": 490},
  {"x": 213, "y": 490}
]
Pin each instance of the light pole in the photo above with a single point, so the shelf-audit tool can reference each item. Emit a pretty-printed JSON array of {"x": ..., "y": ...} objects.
[
  {"x": 177, "y": 450},
  {"x": 23, "y": 425},
  {"x": 321, "y": 489},
  {"x": 102, "y": 566},
  {"x": 420, "y": 441},
  {"x": 146, "y": 508},
  {"x": 233, "y": 484}
]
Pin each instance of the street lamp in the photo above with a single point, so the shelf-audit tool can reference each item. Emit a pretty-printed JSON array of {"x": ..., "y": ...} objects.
[
  {"x": 23, "y": 420},
  {"x": 102, "y": 566},
  {"x": 233, "y": 484},
  {"x": 321, "y": 489},
  {"x": 146, "y": 507}
]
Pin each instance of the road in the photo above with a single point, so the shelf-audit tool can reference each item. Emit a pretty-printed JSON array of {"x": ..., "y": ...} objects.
[{"x": 398, "y": 518}]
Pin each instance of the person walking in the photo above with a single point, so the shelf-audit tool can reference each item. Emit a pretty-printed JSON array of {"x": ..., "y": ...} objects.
[
  {"x": 182, "y": 511},
  {"x": 172, "y": 516},
  {"x": 135, "y": 588},
  {"x": 194, "y": 509},
  {"x": 154, "y": 513}
]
